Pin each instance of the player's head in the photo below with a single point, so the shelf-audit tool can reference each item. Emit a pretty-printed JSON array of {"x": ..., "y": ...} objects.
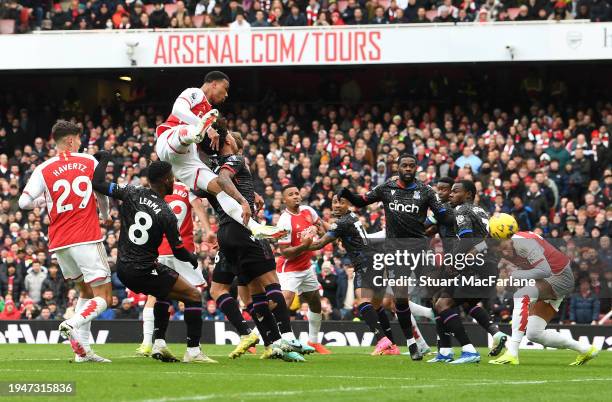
[
  {"x": 233, "y": 143},
  {"x": 216, "y": 87},
  {"x": 67, "y": 136},
  {"x": 503, "y": 226},
  {"x": 443, "y": 188},
  {"x": 291, "y": 196},
  {"x": 462, "y": 191},
  {"x": 340, "y": 206},
  {"x": 407, "y": 168},
  {"x": 160, "y": 177}
]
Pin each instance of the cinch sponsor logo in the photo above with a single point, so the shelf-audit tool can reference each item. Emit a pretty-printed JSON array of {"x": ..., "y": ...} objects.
[{"x": 399, "y": 207}]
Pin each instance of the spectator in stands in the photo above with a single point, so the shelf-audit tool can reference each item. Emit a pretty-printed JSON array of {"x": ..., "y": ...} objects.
[
  {"x": 295, "y": 18},
  {"x": 212, "y": 313},
  {"x": 180, "y": 13},
  {"x": 209, "y": 21},
  {"x": 10, "y": 312},
  {"x": 328, "y": 280},
  {"x": 231, "y": 11},
  {"x": 468, "y": 158},
  {"x": 444, "y": 15},
  {"x": 11, "y": 281},
  {"x": 584, "y": 305},
  {"x": 126, "y": 311},
  {"x": 55, "y": 283},
  {"x": 110, "y": 312},
  {"x": 599, "y": 10},
  {"x": 322, "y": 20},
  {"x": 240, "y": 24},
  {"x": 206, "y": 6},
  {"x": 312, "y": 10},
  {"x": 583, "y": 12},
  {"x": 159, "y": 18},
  {"x": 34, "y": 281},
  {"x": 523, "y": 214},
  {"x": 328, "y": 312},
  {"x": 45, "y": 314},
  {"x": 260, "y": 20},
  {"x": 379, "y": 16},
  {"x": 136, "y": 13},
  {"x": 117, "y": 17},
  {"x": 336, "y": 19},
  {"x": 102, "y": 18},
  {"x": 411, "y": 11},
  {"x": 179, "y": 314}
]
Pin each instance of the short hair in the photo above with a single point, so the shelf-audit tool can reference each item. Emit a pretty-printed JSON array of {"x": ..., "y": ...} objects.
[
  {"x": 446, "y": 180},
  {"x": 469, "y": 186},
  {"x": 216, "y": 76},
  {"x": 286, "y": 187},
  {"x": 64, "y": 128},
  {"x": 406, "y": 155},
  {"x": 158, "y": 170}
]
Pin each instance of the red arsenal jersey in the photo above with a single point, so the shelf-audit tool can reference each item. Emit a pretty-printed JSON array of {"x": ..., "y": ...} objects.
[
  {"x": 193, "y": 99},
  {"x": 180, "y": 203},
  {"x": 295, "y": 224},
  {"x": 65, "y": 181}
]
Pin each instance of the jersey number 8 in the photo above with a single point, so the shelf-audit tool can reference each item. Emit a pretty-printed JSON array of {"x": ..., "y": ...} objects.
[{"x": 142, "y": 223}]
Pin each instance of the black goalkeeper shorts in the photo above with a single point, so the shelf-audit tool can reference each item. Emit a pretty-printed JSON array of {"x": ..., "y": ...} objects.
[
  {"x": 155, "y": 280},
  {"x": 249, "y": 257}
]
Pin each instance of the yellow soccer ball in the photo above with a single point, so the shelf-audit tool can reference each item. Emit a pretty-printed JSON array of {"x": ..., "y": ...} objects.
[{"x": 503, "y": 226}]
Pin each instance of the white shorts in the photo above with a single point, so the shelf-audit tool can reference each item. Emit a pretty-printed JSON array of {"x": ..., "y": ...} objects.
[
  {"x": 183, "y": 268},
  {"x": 187, "y": 167},
  {"x": 299, "y": 281},
  {"x": 88, "y": 261},
  {"x": 562, "y": 284}
]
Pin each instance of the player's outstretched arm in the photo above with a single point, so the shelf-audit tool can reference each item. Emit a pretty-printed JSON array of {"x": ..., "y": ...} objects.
[
  {"x": 32, "y": 195},
  {"x": 99, "y": 182},
  {"x": 322, "y": 242},
  {"x": 360, "y": 200},
  {"x": 292, "y": 253}
]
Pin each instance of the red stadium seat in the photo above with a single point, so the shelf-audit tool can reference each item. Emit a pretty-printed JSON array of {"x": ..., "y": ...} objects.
[
  {"x": 513, "y": 12},
  {"x": 431, "y": 14},
  {"x": 170, "y": 9},
  {"x": 198, "y": 21},
  {"x": 342, "y": 5},
  {"x": 7, "y": 26},
  {"x": 149, "y": 8}
]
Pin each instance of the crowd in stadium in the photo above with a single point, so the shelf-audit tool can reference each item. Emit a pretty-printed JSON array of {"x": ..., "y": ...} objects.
[
  {"x": 138, "y": 14},
  {"x": 549, "y": 168}
]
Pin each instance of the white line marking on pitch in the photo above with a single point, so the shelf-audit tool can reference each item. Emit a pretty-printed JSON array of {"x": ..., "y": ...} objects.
[{"x": 268, "y": 394}]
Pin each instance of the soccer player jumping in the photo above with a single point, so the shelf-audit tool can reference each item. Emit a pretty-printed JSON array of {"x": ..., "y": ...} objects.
[
  {"x": 535, "y": 306},
  {"x": 192, "y": 122}
]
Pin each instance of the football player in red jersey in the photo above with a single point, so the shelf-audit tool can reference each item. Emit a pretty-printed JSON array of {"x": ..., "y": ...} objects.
[
  {"x": 63, "y": 185},
  {"x": 191, "y": 123},
  {"x": 534, "y": 306},
  {"x": 294, "y": 267}
]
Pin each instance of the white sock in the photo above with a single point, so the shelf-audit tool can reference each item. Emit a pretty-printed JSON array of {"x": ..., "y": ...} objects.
[
  {"x": 468, "y": 348},
  {"x": 520, "y": 317},
  {"x": 445, "y": 351},
  {"x": 537, "y": 332},
  {"x": 314, "y": 326},
  {"x": 90, "y": 310},
  {"x": 193, "y": 352},
  {"x": 233, "y": 209},
  {"x": 417, "y": 334},
  {"x": 85, "y": 329},
  {"x": 420, "y": 311},
  {"x": 288, "y": 336},
  {"x": 160, "y": 343},
  {"x": 148, "y": 322},
  {"x": 176, "y": 141}
]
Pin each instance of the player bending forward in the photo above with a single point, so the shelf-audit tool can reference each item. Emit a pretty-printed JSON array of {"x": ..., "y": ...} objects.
[
  {"x": 190, "y": 124},
  {"x": 182, "y": 203},
  {"x": 63, "y": 185},
  {"x": 535, "y": 306},
  {"x": 145, "y": 219}
]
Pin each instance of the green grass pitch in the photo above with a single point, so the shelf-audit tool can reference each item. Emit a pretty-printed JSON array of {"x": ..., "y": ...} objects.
[{"x": 349, "y": 374}]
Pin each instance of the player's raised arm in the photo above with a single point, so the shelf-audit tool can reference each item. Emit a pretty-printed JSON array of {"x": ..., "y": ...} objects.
[
  {"x": 361, "y": 201},
  {"x": 185, "y": 102}
]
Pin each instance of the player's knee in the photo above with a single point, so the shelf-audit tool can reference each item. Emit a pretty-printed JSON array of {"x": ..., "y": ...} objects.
[{"x": 534, "y": 333}]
